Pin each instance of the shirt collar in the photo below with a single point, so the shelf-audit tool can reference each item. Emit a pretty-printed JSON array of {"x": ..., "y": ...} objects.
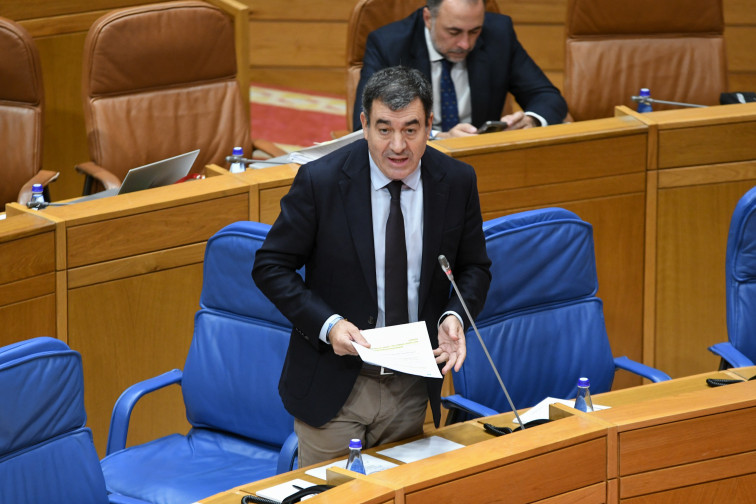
[
  {"x": 378, "y": 180},
  {"x": 432, "y": 53}
]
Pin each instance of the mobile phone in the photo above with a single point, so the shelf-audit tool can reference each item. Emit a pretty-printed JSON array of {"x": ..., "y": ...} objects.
[{"x": 492, "y": 126}]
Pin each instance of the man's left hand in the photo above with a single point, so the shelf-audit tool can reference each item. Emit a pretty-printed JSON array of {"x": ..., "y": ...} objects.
[
  {"x": 452, "y": 347},
  {"x": 519, "y": 120}
]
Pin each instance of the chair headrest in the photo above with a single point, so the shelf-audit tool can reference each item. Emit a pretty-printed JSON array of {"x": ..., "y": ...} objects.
[
  {"x": 538, "y": 257},
  {"x": 599, "y": 17},
  {"x": 144, "y": 48},
  {"x": 20, "y": 72},
  {"x": 741, "y": 240},
  {"x": 227, "y": 278},
  {"x": 41, "y": 392}
]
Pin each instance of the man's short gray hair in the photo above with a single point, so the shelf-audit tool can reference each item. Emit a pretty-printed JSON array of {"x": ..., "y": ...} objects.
[{"x": 397, "y": 87}]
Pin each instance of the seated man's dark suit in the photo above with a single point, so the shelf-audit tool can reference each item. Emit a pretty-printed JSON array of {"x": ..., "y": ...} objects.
[
  {"x": 498, "y": 64},
  {"x": 326, "y": 225}
]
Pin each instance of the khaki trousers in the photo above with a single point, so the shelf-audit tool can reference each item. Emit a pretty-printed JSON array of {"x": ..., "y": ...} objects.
[{"x": 379, "y": 410}]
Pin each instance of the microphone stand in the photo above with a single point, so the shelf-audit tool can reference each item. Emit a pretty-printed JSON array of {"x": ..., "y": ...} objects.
[
  {"x": 447, "y": 269},
  {"x": 648, "y": 100}
]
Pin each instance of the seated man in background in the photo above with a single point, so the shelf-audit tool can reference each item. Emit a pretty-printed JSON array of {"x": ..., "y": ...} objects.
[{"x": 457, "y": 41}]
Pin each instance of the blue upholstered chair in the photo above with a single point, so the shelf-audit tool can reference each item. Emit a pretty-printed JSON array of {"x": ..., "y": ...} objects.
[
  {"x": 740, "y": 282},
  {"x": 542, "y": 322},
  {"x": 240, "y": 429},
  {"x": 46, "y": 452}
]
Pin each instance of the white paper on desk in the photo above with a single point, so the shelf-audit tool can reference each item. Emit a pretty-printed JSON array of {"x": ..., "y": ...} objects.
[
  {"x": 372, "y": 465},
  {"x": 420, "y": 449},
  {"x": 308, "y": 154},
  {"x": 405, "y": 348},
  {"x": 279, "y": 492},
  {"x": 541, "y": 410}
]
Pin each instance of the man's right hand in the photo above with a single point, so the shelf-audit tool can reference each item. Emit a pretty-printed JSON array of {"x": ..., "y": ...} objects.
[
  {"x": 341, "y": 336},
  {"x": 460, "y": 130}
]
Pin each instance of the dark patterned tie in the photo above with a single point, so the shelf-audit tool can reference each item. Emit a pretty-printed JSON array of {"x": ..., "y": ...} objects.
[
  {"x": 449, "y": 111},
  {"x": 395, "y": 295}
]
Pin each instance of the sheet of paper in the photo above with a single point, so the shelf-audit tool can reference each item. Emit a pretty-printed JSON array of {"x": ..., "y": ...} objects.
[
  {"x": 420, "y": 449},
  {"x": 372, "y": 465},
  {"x": 541, "y": 410},
  {"x": 308, "y": 154},
  {"x": 405, "y": 348},
  {"x": 279, "y": 492}
]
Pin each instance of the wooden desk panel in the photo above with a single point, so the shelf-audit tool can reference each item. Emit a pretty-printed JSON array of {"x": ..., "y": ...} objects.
[
  {"x": 701, "y": 161},
  {"x": 683, "y": 444},
  {"x": 27, "y": 278}
]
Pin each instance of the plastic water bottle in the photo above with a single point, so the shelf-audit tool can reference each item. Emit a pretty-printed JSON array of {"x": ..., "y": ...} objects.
[
  {"x": 37, "y": 197},
  {"x": 237, "y": 166},
  {"x": 583, "y": 400},
  {"x": 354, "y": 463},
  {"x": 644, "y": 107}
]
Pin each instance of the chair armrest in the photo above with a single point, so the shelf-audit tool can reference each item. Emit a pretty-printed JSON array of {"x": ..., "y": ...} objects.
[
  {"x": 43, "y": 177},
  {"x": 268, "y": 147},
  {"x": 641, "y": 369},
  {"x": 123, "y": 499},
  {"x": 457, "y": 402},
  {"x": 97, "y": 172},
  {"x": 288, "y": 454},
  {"x": 730, "y": 354},
  {"x": 119, "y": 421}
]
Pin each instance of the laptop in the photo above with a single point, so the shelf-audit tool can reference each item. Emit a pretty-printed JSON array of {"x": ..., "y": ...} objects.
[{"x": 157, "y": 174}]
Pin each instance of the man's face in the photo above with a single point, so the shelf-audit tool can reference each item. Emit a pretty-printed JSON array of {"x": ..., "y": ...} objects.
[
  {"x": 396, "y": 139},
  {"x": 456, "y": 27}
]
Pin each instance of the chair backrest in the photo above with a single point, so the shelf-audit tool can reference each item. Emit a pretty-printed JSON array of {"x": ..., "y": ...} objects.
[
  {"x": 740, "y": 273},
  {"x": 369, "y": 15},
  {"x": 240, "y": 339},
  {"x": 160, "y": 80},
  {"x": 542, "y": 322},
  {"x": 21, "y": 105},
  {"x": 46, "y": 453},
  {"x": 675, "y": 48}
]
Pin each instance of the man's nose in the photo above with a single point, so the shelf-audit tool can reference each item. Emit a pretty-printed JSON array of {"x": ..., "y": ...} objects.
[{"x": 397, "y": 143}]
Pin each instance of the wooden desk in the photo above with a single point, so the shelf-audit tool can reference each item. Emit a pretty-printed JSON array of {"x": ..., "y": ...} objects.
[
  {"x": 129, "y": 274},
  {"x": 656, "y": 444},
  {"x": 701, "y": 161},
  {"x": 27, "y": 278}
]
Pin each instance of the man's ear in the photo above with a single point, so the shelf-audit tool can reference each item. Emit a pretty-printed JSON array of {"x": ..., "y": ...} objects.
[
  {"x": 364, "y": 122},
  {"x": 429, "y": 122},
  {"x": 427, "y": 17}
]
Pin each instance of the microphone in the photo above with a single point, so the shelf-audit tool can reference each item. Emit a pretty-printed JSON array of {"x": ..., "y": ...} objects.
[
  {"x": 648, "y": 100},
  {"x": 447, "y": 269},
  {"x": 42, "y": 204}
]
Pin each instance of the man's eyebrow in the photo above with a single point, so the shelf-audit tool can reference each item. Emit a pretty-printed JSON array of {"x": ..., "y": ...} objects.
[{"x": 386, "y": 122}]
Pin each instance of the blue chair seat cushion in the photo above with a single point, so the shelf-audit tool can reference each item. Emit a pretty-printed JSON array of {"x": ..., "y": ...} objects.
[{"x": 185, "y": 469}]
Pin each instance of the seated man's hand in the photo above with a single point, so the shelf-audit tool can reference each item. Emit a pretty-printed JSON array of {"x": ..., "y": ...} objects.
[
  {"x": 341, "y": 336},
  {"x": 460, "y": 130},
  {"x": 519, "y": 120}
]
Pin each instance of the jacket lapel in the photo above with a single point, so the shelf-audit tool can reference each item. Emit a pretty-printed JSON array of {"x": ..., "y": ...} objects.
[
  {"x": 355, "y": 191},
  {"x": 435, "y": 199}
]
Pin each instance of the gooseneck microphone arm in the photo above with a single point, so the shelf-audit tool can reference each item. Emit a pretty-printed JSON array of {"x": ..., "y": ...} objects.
[
  {"x": 447, "y": 269},
  {"x": 649, "y": 100}
]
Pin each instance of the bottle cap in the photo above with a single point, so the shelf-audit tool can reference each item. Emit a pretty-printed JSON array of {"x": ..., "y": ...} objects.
[
  {"x": 645, "y": 92},
  {"x": 37, "y": 188},
  {"x": 355, "y": 443},
  {"x": 584, "y": 382},
  {"x": 238, "y": 151}
]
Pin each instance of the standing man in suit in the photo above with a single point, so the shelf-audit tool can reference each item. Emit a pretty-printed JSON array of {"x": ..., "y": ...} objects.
[
  {"x": 482, "y": 57},
  {"x": 334, "y": 222}
]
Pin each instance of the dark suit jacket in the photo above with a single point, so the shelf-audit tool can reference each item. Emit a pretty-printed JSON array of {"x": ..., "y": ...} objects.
[
  {"x": 498, "y": 64},
  {"x": 326, "y": 225}
]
